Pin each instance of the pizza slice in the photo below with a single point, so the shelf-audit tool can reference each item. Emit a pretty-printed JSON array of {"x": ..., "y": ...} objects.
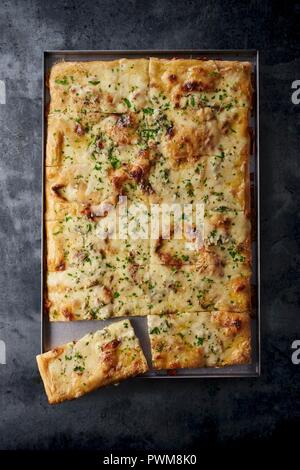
[
  {"x": 218, "y": 181},
  {"x": 76, "y": 186},
  {"x": 114, "y": 289},
  {"x": 112, "y": 137},
  {"x": 200, "y": 339},
  {"x": 183, "y": 237},
  {"x": 81, "y": 88},
  {"x": 207, "y": 286},
  {"x": 76, "y": 242},
  {"x": 98, "y": 359},
  {"x": 112, "y": 165},
  {"x": 185, "y": 135},
  {"x": 225, "y": 183},
  {"x": 223, "y": 226},
  {"x": 202, "y": 156},
  {"x": 92, "y": 192},
  {"x": 183, "y": 83},
  {"x": 190, "y": 251}
]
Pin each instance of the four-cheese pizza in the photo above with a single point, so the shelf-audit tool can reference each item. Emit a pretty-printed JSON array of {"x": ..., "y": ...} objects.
[{"x": 160, "y": 132}]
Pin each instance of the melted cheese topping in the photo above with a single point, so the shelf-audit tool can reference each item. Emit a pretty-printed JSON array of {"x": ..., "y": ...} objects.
[{"x": 97, "y": 359}]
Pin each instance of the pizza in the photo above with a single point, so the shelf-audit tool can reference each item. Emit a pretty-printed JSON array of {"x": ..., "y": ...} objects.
[
  {"x": 98, "y": 359},
  {"x": 156, "y": 132}
]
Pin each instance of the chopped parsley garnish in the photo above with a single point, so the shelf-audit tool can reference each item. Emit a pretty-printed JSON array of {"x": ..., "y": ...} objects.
[
  {"x": 114, "y": 161},
  {"x": 155, "y": 331},
  {"x": 235, "y": 255},
  {"x": 127, "y": 102},
  {"x": 221, "y": 155},
  {"x": 213, "y": 73},
  {"x": 222, "y": 209},
  {"x": 148, "y": 133},
  {"x": 94, "y": 313},
  {"x": 199, "y": 341},
  {"x": 148, "y": 111},
  {"x": 189, "y": 188},
  {"x": 63, "y": 81},
  {"x": 199, "y": 167},
  {"x": 228, "y": 106},
  {"x": 98, "y": 166},
  {"x": 165, "y": 174},
  {"x": 78, "y": 369}
]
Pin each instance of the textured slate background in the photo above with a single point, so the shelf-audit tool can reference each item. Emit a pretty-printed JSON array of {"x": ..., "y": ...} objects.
[{"x": 147, "y": 415}]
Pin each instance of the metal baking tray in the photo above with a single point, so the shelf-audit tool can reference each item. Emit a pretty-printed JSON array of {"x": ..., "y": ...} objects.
[{"x": 56, "y": 333}]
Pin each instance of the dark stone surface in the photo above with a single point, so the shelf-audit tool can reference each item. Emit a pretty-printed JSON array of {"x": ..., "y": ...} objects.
[{"x": 147, "y": 415}]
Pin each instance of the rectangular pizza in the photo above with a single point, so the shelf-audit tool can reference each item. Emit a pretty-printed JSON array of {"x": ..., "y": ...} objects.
[
  {"x": 154, "y": 132},
  {"x": 101, "y": 358}
]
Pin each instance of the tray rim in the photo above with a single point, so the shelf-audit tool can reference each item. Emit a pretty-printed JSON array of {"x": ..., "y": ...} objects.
[
  {"x": 154, "y": 51},
  {"x": 173, "y": 52}
]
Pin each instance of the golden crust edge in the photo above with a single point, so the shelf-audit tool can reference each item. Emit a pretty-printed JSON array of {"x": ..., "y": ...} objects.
[{"x": 55, "y": 398}]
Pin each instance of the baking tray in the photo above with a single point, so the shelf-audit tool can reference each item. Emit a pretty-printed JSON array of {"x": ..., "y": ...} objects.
[{"x": 56, "y": 333}]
